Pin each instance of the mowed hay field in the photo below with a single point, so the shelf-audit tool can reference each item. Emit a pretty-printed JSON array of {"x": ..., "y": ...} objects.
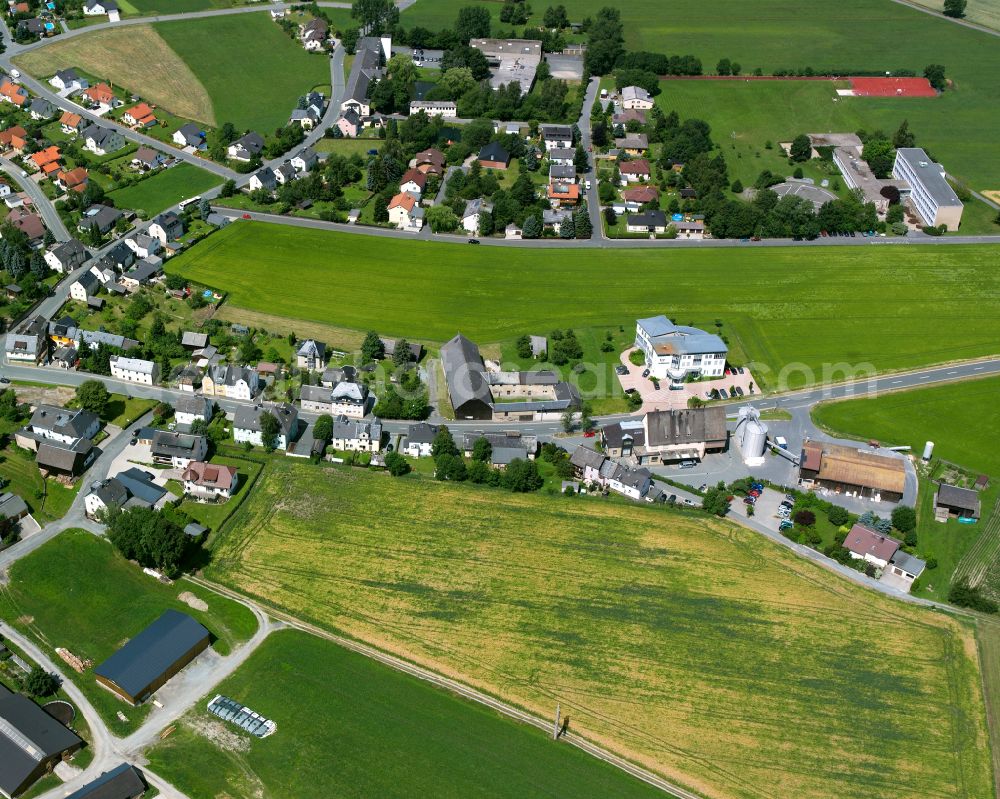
[
  {"x": 239, "y": 68},
  {"x": 135, "y": 57},
  {"x": 796, "y": 305},
  {"x": 694, "y": 647},
  {"x": 252, "y": 70},
  {"x": 340, "y": 713}
]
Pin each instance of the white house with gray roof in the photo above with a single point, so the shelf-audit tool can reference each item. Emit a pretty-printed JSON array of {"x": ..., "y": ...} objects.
[
  {"x": 675, "y": 351},
  {"x": 354, "y": 435},
  {"x": 247, "y": 426}
]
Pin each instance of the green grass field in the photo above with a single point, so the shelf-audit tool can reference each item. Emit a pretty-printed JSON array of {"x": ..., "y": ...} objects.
[
  {"x": 960, "y": 418},
  {"x": 76, "y": 592},
  {"x": 685, "y": 643},
  {"x": 342, "y": 708},
  {"x": 154, "y": 7},
  {"x": 165, "y": 189},
  {"x": 780, "y": 306},
  {"x": 253, "y": 72},
  {"x": 744, "y": 116}
]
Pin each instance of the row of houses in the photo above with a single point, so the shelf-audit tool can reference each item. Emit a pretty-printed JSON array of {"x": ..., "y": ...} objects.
[
  {"x": 596, "y": 468},
  {"x": 505, "y": 446}
]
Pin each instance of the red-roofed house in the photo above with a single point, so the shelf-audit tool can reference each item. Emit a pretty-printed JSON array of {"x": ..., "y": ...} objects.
[
  {"x": 13, "y": 93},
  {"x": 413, "y": 182},
  {"x": 7, "y": 137},
  {"x": 405, "y": 212},
  {"x": 71, "y": 123},
  {"x": 28, "y": 223},
  {"x": 209, "y": 480},
  {"x": 139, "y": 116},
  {"x": 102, "y": 94},
  {"x": 50, "y": 155},
  {"x": 633, "y": 171},
  {"x": 865, "y": 544},
  {"x": 74, "y": 180},
  {"x": 563, "y": 194},
  {"x": 641, "y": 194}
]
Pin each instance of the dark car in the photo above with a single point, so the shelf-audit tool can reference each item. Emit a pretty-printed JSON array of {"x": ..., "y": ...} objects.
[
  {"x": 473, "y": 241},
  {"x": 740, "y": 370},
  {"x": 4, "y": 380},
  {"x": 645, "y": 372},
  {"x": 621, "y": 369},
  {"x": 738, "y": 390}
]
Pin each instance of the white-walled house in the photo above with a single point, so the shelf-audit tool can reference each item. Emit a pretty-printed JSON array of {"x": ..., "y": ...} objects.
[
  {"x": 420, "y": 440},
  {"x": 675, "y": 351},
  {"x": 210, "y": 481},
  {"x": 636, "y": 97},
  {"x": 134, "y": 370},
  {"x": 188, "y": 410},
  {"x": 247, "y": 423},
  {"x": 232, "y": 382},
  {"x": 352, "y": 435}
]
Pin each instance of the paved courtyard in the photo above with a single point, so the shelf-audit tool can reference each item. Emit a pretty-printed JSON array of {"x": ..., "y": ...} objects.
[{"x": 662, "y": 398}]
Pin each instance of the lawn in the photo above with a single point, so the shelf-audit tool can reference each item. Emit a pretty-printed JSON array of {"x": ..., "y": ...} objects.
[
  {"x": 121, "y": 411},
  {"x": 212, "y": 515},
  {"x": 47, "y": 499},
  {"x": 156, "y": 7},
  {"x": 253, "y": 72},
  {"x": 344, "y": 708},
  {"x": 960, "y": 418},
  {"x": 76, "y": 592},
  {"x": 787, "y": 309},
  {"x": 164, "y": 189},
  {"x": 689, "y": 645}
]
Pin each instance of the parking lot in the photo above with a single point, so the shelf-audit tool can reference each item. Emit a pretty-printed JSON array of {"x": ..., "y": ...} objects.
[
  {"x": 662, "y": 398},
  {"x": 765, "y": 510}
]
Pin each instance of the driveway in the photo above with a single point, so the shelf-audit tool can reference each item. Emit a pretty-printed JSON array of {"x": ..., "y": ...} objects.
[{"x": 662, "y": 398}]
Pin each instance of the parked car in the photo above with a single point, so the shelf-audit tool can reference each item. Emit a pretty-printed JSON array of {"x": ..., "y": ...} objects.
[
  {"x": 740, "y": 370},
  {"x": 676, "y": 386},
  {"x": 688, "y": 463},
  {"x": 656, "y": 383},
  {"x": 790, "y": 497},
  {"x": 738, "y": 390},
  {"x": 589, "y": 434},
  {"x": 4, "y": 380},
  {"x": 708, "y": 395},
  {"x": 247, "y": 216},
  {"x": 621, "y": 369},
  {"x": 723, "y": 393},
  {"x": 645, "y": 372},
  {"x": 785, "y": 525},
  {"x": 689, "y": 502},
  {"x": 473, "y": 241},
  {"x": 749, "y": 501},
  {"x": 672, "y": 499},
  {"x": 631, "y": 391}
]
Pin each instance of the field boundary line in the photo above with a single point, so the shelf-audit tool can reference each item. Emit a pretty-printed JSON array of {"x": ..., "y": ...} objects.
[
  {"x": 982, "y": 554},
  {"x": 455, "y": 687}
]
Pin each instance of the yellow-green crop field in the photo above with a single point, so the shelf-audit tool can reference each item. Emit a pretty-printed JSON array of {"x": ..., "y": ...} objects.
[{"x": 691, "y": 646}]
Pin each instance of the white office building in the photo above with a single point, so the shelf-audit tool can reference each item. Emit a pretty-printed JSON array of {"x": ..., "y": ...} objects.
[
  {"x": 930, "y": 195},
  {"x": 675, "y": 351}
]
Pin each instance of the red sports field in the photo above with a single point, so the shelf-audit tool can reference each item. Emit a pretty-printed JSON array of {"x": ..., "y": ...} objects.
[{"x": 892, "y": 87}]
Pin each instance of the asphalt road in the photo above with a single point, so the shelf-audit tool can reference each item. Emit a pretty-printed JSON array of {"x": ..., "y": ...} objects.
[{"x": 42, "y": 205}]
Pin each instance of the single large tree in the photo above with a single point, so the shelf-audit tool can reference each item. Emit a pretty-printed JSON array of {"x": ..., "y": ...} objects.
[
  {"x": 375, "y": 16},
  {"x": 372, "y": 348},
  {"x": 444, "y": 443},
  {"x": 323, "y": 429},
  {"x": 954, "y": 8},
  {"x": 473, "y": 23},
  {"x": 93, "y": 396},
  {"x": 270, "y": 428},
  {"x": 801, "y": 148},
  {"x": 39, "y": 682}
]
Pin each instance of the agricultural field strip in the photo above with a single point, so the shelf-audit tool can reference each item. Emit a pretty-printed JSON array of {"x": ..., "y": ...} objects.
[
  {"x": 272, "y": 569},
  {"x": 454, "y": 686}
]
